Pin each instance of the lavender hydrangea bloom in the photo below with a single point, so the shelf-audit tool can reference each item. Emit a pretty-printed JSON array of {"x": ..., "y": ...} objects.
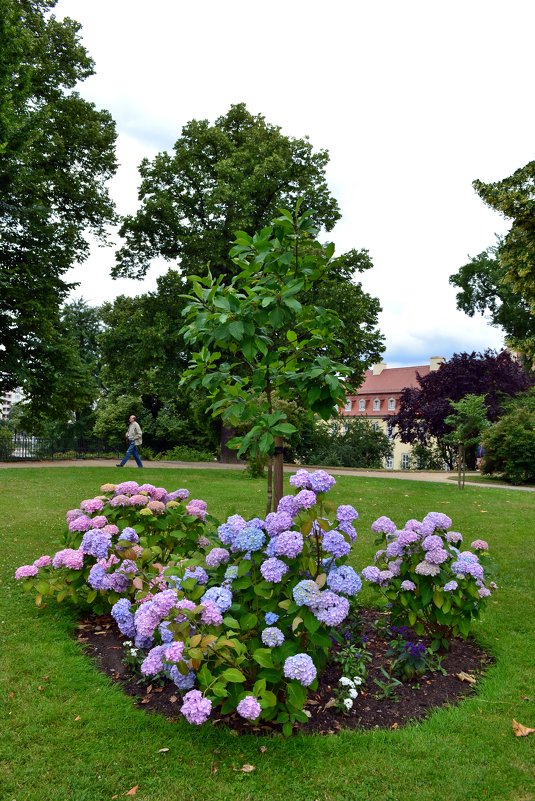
[
  {"x": 198, "y": 573},
  {"x": 217, "y": 556},
  {"x": 26, "y": 571},
  {"x": 174, "y": 651},
  {"x": 301, "y": 668},
  {"x": 228, "y": 531},
  {"x": 436, "y": 521},
  {"x": 305, "y": 591},
  {"x": 92, "y": 505},
  {"x": 330, "y": 608},
  {"x": 305, "y": 499},
  {"x": 196, "y": 709},
  {"x": 383, "y": 525},
  {"x": 166, "y": 635},
  {"x": 431, "y": 542},
  {"x": 287, "y": 504},
  {"x": 408, "y": 586},
  {"x": 371, "y": 573},
  {"x": 413, "y": 525},
  {"x": 347, "y": 528},
  {"x": 127, "y": 488},
  {"x": 69, "y": 557},
  {"x": 450, "y": 586},
  {"x": 484, "y": 592},
  {"x": 120, "y": 500},
  {"x": 300, "y": 479},
  {"x": 248, "y": 539},
  {"x": 138, "y": 500},
  {"x": 163, "y": 602},
  {"x": 427, "y": 569},
  {"x": 480, "y": 545},
  {"x": 81, "y": 523},
  {"x": 385, "y": 576},
  {"x": 272, "y": 637},
  {"x": 273, "y": 570},
  {"x": 289, "y": 543},
  {"x": 153, "y": 662},
  {"x": 320, "y": 481},
  {"x": 335, "y": 543},
  {"x": 249, "y": 708},
  {"x": 195, "y": 508},
  {"x": 277, "y": 522},
  {"x": 221, "y": 597},
  {"x": 128, "y": 566},
  {"x": 344, "y": 579},
  {"x": 119, "y": 582},
  {"x": 43, "y": 561},
  {"x": 99, "y": 521},
  {"x": 72, "y": 514},
  {"x": 436, "y": 556},
  {"x": 123, "y": 617},
  {"x": 146, "y": 619},
  {"x": 394, "y": 548},
  {"x": 177, "y": 495},
  {"x": 346, "y": 513},
  {"x": 270, "y": 618},
  {"x": 181, "y": 680},
  {"x": 464, "y": 567},
  {"x": 210, "y": 615},
  {"x": 407, "y": 537},
  {"x": 454, "y": 537},
  {"x": 98, "y": 578},
  {"x": 96, "y": 543}
]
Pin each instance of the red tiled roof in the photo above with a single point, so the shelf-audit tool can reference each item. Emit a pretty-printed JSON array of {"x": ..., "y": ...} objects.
[{"x": 391, "y": 380}]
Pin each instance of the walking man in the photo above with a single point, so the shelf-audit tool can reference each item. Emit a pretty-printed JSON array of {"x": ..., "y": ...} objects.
[{"x": 134, "y": 438}]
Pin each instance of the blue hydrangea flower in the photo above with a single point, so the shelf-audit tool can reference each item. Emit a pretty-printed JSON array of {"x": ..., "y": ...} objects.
[
  {"x": 305, "y": 592},
  {"x": 301, "y": 668},
  {"x": 221, "y": 597},
  {"x": 344, "y": 579},
  {"x": 231, "y": 572},
  {"x": 273, "y": 570},
  {"x": 248, "y": 539},
  {"x": 272, "y": 637},
  {"x": 271, "y": 618},
  {"x": 124, "y": 618},
  {"x": 335, "y": 543}
]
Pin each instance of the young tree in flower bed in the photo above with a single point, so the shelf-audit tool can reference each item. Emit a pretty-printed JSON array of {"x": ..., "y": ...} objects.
[
  {"x": 429, "y": 583},
  {"x": 115, "y": 543},
  {"x": 253, "y": 625}
]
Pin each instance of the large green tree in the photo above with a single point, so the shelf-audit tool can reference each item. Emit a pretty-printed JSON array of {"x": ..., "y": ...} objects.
[
  {"x": 56, "y": 153},
  {"x": 502, "y": 279},
  {"x": 222, "y": 177}
]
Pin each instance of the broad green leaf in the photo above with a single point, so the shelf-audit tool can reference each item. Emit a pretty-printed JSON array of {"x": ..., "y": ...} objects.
[{"x": 233, "y": 675}]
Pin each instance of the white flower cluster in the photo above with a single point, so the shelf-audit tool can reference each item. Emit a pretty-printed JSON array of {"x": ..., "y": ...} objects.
[{"x": 352, "y": 692}]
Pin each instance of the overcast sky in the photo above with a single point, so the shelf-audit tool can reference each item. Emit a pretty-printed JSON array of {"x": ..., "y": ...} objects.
[{"x": 412, "y": 99}]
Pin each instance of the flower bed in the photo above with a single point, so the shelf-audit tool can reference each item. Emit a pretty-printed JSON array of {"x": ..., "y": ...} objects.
[{"x": 245, "y": 617}]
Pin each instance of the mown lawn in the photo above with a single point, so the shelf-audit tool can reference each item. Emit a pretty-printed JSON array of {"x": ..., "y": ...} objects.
[{"x": 69, "y": 734}]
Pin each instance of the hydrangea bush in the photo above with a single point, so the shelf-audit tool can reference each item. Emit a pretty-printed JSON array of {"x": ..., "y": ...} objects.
[
  {"x": 116, "y": 543},
  {"x": 251, "y": 627},
  {"x": 430, "y": 583}
]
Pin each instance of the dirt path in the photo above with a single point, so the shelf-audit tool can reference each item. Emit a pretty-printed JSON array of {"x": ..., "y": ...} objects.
[{"x": 442, "y": 477}]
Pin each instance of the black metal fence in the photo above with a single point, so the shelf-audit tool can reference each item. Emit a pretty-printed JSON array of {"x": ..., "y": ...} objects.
[{"x": 23, "y": 447}]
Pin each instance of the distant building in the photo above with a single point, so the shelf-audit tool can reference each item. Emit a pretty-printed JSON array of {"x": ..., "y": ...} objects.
[
  {"x": 7, "y": 400},
  {"x": 378, "y": 397}
]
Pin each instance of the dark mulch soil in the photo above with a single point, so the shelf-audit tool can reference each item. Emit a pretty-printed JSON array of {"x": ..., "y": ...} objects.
[{"x": 413, "y": 700}]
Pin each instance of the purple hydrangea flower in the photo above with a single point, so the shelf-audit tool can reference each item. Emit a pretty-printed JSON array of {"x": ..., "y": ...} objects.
[
  {"x": 273, "y": 570},
  {"x": 344, "y": 579},
  {"x": 272, "y": 637},
  {"x": 320, "y": 481},
  {"x": 413, "y": 525},
  {"x": 346, "y": 513},
  {"x": 99, "y": 521},
  {"x": 300, "y": 479},
  {"x": 81, "y": 523},
  {"x": 216, "y": 557},
  {"x": 483, "y": 592},
  {"x": 173, "y": 652},
  {"x": 220, "y": 596},
  {"x": 305, "y": 592},
  {"x": 249, "y": 708},
  {"x": 408, "y": 586},
  {"x": 177, "y": 495},
  {"x": 277, "y": 522},
  {"x": 153, "y": 662},
  {"x": 198, "y": 573},
  {"x": 43, "y": 561},
  {"x": 248, "y": 539},
  {"x": 436, "y": 521},
  {"x": 453, "y": 537},
  {"x": 427, "y": 569},
  {"x": 347, "y": 528},
  {"x": 119, "y": 582},
  {"x": 451, "y": 586},
  {"x": 124, "y": 618},
  {"x": 330, "y": 608},
  {"x": 26, "y": 571},
  {"x": 129, "y": 535},
  {"x": 335, "y": 543},
  {"x": 120, "y": 500},
  {"x": 305, "y": 499},
  {"x": 394, "y": 548},
  {"x": 436, "y": 556},
  {"x": 371, "y": 573},
  {"x": 287, "y": 504},
  {"x": 72, "y": 514},
  {"x": 431, "y": 542},
  {"x": 289, "y": 543},
  {"x": 181, "y": 680},
  {"x": 98, "y": 578},
  {"x": 196, "y": 508},
  {"x": 301, "y": 668},
  {"x": 163, "y": 602},
  {"x": 92, "y": 505},
  {"x": 96, "y": 543},
  {"x": 210, "y": 615},
  {"x": 68, "y": 557},
  {"x": 165, "y": 633},
  {"x": 196, "y": 709},
  {"x": 127, "y": 488},
  {"x": 406, "y": 538},
  {"x": 383, "y": 525},
  {"x": 270, "y": 618}
]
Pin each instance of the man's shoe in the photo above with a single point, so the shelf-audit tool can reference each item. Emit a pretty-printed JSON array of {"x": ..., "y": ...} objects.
[{"x": 119, "y": 465}]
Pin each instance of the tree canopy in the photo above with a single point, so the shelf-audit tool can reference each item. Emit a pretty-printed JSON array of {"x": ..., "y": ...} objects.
[
  {"x": 56, "y": 153},
  {"x": 220, "y": 178},
  {"x": 501, "y": 280}
]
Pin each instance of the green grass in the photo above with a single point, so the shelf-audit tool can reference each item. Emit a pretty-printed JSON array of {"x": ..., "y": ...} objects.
[{"x": 461, "y": 753}]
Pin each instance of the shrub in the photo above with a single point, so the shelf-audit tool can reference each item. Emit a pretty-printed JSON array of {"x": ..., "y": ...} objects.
[
  {"x": 116, "y": 542},
  {"x": 428, "y": 582},
  {"x": 253, "y": 624},
  {"x": 182, "y": 453},
  {"x": 510, "y": 443}
]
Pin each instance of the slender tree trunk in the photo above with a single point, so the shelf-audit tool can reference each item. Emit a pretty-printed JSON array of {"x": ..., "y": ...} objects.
[
  {"x": 278, "y": 472},
  {"x": 269, "y": 486}
]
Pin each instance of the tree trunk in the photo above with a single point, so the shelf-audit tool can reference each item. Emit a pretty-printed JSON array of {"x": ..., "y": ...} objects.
[
  {"x": 227, "y": 455},
  {"x": 278, "y": 472},
  {"x": 269, "y": 486}
]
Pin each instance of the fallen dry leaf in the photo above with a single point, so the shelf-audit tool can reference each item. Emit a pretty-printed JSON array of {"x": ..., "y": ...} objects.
[
  {"x": 519, "y": 730},
  {"x": 214, "y": 767},
  {"x": 77, "y": 717},
  {"x": 394, "y": 726},
  {"x": 462, "y": 676},
  {"x": 145, "y": 701},
  {"x": 163, "y": 750},
  {"x": 11, "y": 695},
  {"x": 173, "y": 699},
  {"x": 330, "y": 703},
  {"x": 246, "y": 768},
  {"x": 263, "y": 749},
  {"x": 133, "y": 790}
]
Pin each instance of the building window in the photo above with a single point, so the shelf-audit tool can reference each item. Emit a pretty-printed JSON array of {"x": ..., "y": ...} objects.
[
  {"x": 376, "y": 404},
  {"x": 375, "y": 426},
  {"x": 348, "y": 406},
  {"x": 389, "y": 463},
  {"x": 391, "y": 404},
  {"x": 362, "y": 405},
  {"x": 405, "y": 461}
]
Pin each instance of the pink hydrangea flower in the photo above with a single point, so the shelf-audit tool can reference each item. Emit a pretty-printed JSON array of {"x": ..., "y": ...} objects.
[
  {"x": 197, "y": 508},
  {"x": 173, "y": 653},
  {"x": 138, "y": 500},
  {"x": 43, "y": 561},
  {"x": 26, "y": 571},
  {"x": 196, "y": 709},
  {"x": 70, "y": 558},
  {"x": 92, "y": 505}
]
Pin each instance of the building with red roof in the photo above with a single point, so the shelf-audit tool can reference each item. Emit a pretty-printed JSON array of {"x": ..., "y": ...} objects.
[{"x": 378, "y": 397}]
